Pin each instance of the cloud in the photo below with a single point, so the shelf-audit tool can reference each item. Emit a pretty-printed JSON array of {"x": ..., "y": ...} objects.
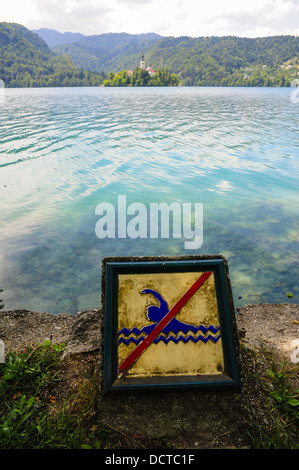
[
  {"x": 85, "y": 16},
  {"x": 167, "y": 17},
  {"x": 137, "y": 3},
  {"x": 270, "y": 17},
  {"x": 99, "y": 16}
]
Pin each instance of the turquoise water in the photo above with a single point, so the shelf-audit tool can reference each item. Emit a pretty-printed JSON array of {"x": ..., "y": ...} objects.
[{"x": 64, "y": 151}]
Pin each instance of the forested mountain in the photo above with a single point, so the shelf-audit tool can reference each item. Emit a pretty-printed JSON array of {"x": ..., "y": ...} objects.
[
  {"x": 109, "y": 52},
  {"x": 54, "y": 38},
  {"x": 198, "y": 61},
  {"x": 16, "y": 33},
  {"x": 228, "y": 51},
  {"x": 26, "y": 61},
  {"x": 228, "y": 60}
]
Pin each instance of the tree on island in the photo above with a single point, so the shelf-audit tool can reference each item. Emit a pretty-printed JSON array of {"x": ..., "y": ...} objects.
[{"x": 141, "y": 78}]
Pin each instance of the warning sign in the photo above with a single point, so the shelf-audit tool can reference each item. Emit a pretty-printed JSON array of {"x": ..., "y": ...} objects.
[{"x": 167, "y": 324}]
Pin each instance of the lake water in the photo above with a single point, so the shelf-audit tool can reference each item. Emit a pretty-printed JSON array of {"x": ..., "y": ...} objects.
[{"x": 64, "y": 151}]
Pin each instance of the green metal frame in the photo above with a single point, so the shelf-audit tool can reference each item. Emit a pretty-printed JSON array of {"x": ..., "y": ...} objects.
[{"x": 230, "y": 378}]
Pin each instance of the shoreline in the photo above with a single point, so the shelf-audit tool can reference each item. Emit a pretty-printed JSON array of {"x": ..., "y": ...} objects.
[
  {"x": 270, "y": 328},
  {"x": 275, "y": 325}
]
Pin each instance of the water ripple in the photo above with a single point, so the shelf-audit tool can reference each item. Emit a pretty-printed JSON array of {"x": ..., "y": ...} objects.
[{"x": 62, "y": 151}]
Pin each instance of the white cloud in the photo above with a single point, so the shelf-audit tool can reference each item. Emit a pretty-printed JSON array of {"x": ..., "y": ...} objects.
[
  {"x": 166, "y": 17},
  {"x": 267, "y": 18},
  {"x": 84, "y": 16}
]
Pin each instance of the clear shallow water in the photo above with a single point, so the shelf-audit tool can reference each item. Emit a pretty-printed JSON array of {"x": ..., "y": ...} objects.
[{"x": 64, "y": 151}]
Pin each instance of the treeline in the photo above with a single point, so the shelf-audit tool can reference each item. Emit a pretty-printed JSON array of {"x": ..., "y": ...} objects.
[
  {"x": 208, "y": 74},
  {"x": 52, "y": 73},
  {"x": 141, "y": 78},
  {"x": 229, "y": 51},
  {"x": 228, "y": 61},
  {"x": 26, "y": 61}
]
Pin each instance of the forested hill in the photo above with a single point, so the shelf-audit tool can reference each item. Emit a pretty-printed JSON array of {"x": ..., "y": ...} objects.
[
  {"x": 111, "y": 52},
  {"x": 228, "y": 60},
  {"x": 198, "y": 61},
  {"x": 27, "y": 61}
]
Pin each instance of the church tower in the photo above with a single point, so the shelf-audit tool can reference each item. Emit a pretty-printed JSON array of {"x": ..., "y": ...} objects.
[{"x": 142, "y": 62}]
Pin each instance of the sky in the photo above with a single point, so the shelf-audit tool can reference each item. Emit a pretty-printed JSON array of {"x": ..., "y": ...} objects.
[{"x": 250, "y": 18}]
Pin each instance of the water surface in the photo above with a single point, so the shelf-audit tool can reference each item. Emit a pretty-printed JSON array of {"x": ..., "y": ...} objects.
[{"x": 64, "y": 151}]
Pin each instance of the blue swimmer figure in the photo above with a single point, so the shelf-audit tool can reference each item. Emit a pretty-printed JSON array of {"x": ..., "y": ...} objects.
[{"x": 155, "y": 314}]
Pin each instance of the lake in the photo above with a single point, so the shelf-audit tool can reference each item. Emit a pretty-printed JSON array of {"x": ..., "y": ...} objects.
[{"x": 64, "y": 151}]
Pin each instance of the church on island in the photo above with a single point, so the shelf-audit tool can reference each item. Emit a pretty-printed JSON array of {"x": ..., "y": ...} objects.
[{"x": 149, "y": 69}]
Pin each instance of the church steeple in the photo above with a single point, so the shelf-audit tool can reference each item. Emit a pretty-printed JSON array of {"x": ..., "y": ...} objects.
[{"x": 142, "y": 62}]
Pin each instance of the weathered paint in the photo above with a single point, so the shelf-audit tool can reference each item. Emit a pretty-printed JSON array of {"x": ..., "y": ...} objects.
[{"x": 174, "y": 358}]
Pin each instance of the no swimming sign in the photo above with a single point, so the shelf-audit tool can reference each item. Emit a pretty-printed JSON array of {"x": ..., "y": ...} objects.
[{"x": 169, "y": 323}]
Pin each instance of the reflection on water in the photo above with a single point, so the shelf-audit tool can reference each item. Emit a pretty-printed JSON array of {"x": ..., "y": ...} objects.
[{"x": 63, "y": 151}]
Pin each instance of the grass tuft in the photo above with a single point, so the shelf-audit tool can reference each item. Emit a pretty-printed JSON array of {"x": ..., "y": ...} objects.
[
  {"x": 29, "y": 416},
  {"x": 275, "y": 413}
]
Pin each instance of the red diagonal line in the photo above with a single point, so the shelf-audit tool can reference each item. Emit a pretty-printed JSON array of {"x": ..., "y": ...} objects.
[{"x": 134, "y": 355}]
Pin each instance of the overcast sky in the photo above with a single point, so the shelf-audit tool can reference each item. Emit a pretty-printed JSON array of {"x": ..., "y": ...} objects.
[{"x": 250, "y": 18}]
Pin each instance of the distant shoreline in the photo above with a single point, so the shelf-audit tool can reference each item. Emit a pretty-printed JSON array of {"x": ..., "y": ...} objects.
[{"x": 148, "y": 87}]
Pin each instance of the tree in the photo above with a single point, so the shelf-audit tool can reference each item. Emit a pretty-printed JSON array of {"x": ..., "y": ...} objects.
[{"x": 142, "y": 78}]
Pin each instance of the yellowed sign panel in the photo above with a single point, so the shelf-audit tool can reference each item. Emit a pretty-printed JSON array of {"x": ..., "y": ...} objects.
[{"x": 190, "y": 344}]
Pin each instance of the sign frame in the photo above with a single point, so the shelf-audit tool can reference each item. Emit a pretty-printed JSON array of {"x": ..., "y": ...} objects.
[{"x": 113, "y": 267}]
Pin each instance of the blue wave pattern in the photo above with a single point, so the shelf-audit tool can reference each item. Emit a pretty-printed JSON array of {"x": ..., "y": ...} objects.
[
  {"x": 180, "y": 329},
  {"x": 136, "y": 336}
]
